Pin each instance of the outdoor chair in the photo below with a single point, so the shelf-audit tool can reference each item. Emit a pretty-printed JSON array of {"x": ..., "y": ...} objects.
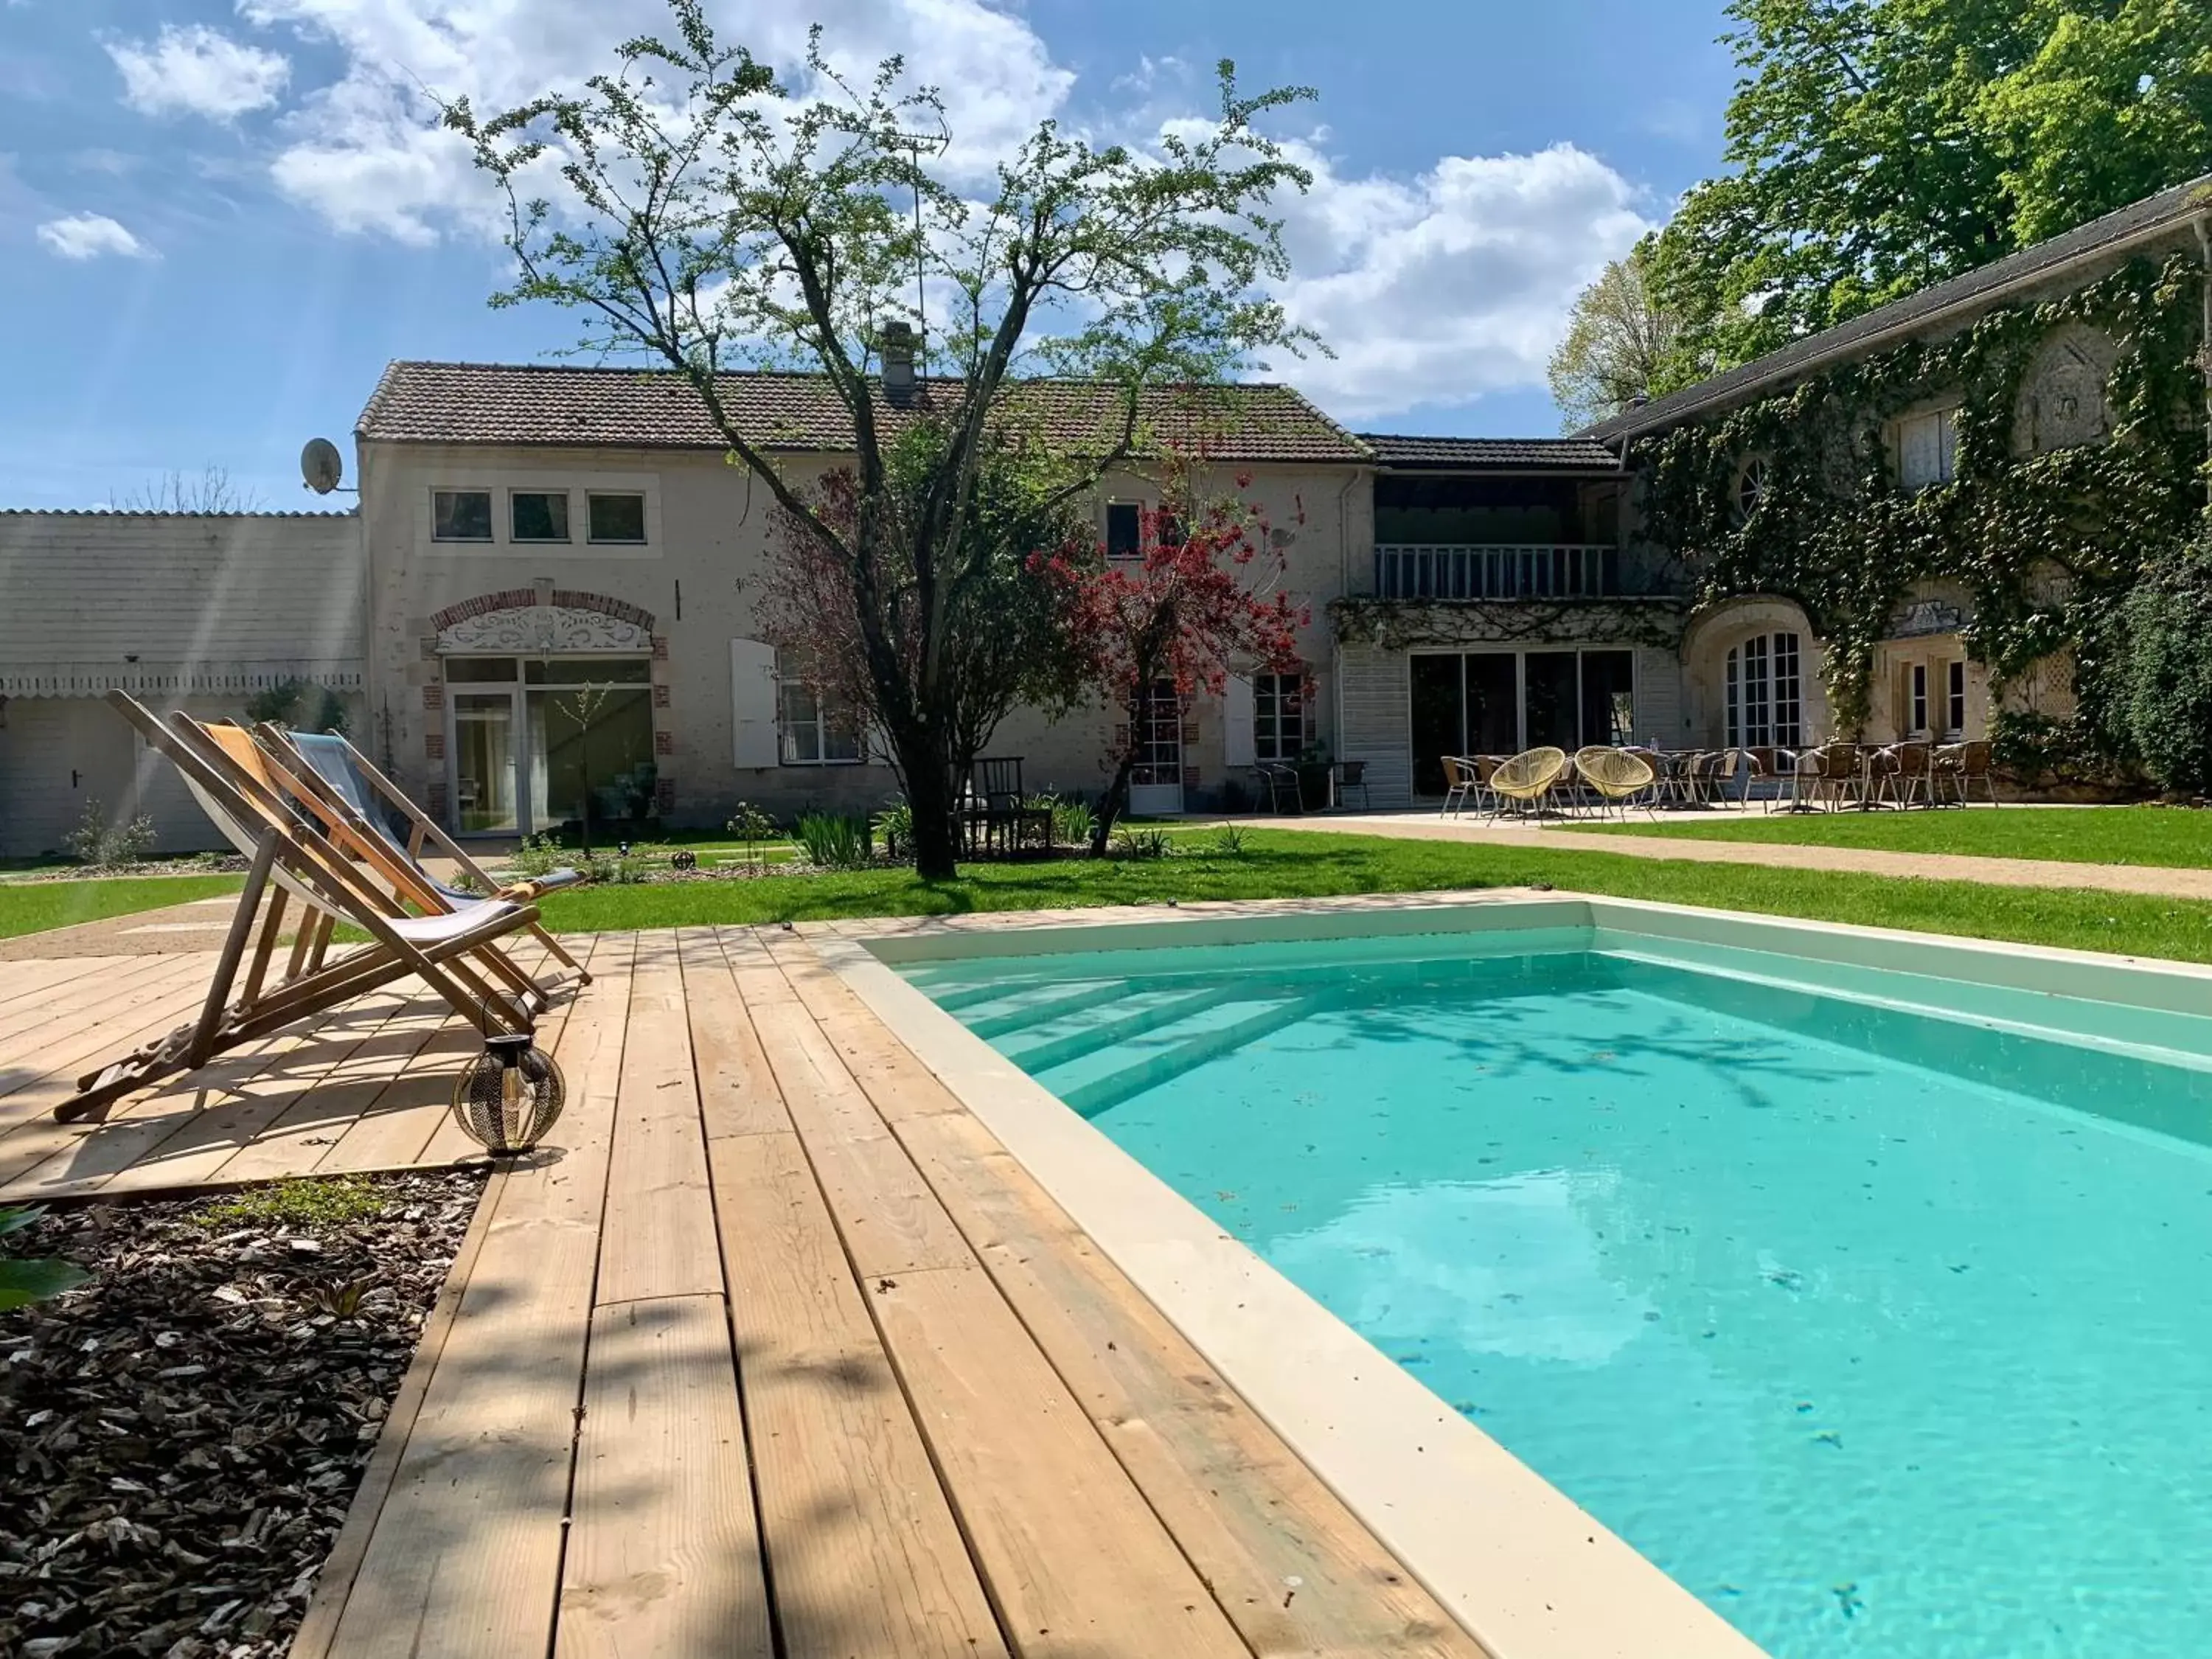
[
  {"x": 1905, "y": 774},
  {"x": 1835, "y": 773},
  {"x": 1459, "y": 785},
  {"x": 1349, "y": 776},
  {"x": 1529, "y": 777},
  {"x": 370, "y": 803},
  {"x": 1279, "y": 782},
  {"x": 1615, "y": 775},
  {"x": 1959, "y": 766},
  {"x": 1000, "y": 817},
  {"x": 244, "y": 793}
]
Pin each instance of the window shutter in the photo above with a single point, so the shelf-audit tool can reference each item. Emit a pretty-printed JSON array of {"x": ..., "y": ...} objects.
[
  {"x": 1917, "y": 459},
  {"x": 752, "y": 704},
  {"x": 1947, "y": 446},
  {"x": 1237, "y": 748}
]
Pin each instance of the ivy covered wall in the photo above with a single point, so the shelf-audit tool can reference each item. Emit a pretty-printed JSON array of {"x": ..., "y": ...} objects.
[{"x": 2050, "y": 519}]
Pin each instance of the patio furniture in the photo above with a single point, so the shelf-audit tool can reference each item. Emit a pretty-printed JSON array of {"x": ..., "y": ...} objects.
[
  {"x": 1279, "y": 782},
  {"x": 1836, "y": 773},
  {"x": 1906, "y": 774},
  {"x": 259, "y": 811},
  {"x": 370, "y": 803},
  {"x": 1959, "y": 766},
  {"x": 1529, "y": 777},
  {"x": 996, "y": 810},
  {"x": 1486, "y": 768},
  {"x": 1347, "y": 776},
  {"x": 1459, "y": 785},
  {"x": 1758, "y": 765},
  {"x": 1614, "y": 774}
]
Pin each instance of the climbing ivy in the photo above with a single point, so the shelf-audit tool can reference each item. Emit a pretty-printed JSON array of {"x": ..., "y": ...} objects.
[{"x": 1832, "y": 529}]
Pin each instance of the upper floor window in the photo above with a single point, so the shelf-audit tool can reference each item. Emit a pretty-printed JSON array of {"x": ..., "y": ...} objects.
[
  {"x": 1125, "y": 530},
  {"x": 818, "y": 725},
  {"x": 460, "y": 515},
  {"x": 1928, "y": 449},
  {"x": 539, "y": 516},
  {"x": 1278, "y": 716},
  {"x": 1751, "y": 482},
  {"x": 617, "y": 517}
]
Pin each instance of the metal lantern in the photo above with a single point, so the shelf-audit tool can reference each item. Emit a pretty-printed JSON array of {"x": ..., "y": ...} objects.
[{"x": 509, "y": 1095}]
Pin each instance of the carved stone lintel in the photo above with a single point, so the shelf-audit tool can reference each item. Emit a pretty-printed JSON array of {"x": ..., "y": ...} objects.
[{"x": 543, "y": 629}]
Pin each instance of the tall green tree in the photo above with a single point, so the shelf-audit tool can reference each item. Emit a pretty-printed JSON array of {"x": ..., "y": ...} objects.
[
  {"x": 1877, "y": 146},
  {"x": 1619, "y": 340},
  {"x": 699, "y": 215}
]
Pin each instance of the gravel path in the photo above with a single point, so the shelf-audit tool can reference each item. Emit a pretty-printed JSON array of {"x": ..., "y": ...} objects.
[{"x": 180, "y": 1438}]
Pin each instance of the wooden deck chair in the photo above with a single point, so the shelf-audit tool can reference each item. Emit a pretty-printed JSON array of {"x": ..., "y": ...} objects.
[
  {"x": 372, "y": 805},
  {"x": 1617, "y": 776},
  {"x": 1526, "y": 778},
  {"x": 451, "y": 952}
]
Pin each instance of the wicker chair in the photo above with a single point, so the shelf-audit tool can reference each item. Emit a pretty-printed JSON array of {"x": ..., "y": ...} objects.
[
  {"x": 1529, "y": 777},
  {"x": 1459, "y": 785},
  {"x": 1616, "y": 776},
  {"x": 1959, "y": 766}
]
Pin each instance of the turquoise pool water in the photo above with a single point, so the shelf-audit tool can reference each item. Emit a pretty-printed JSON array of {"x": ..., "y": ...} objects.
[{"x": 1874, "y": 1308}]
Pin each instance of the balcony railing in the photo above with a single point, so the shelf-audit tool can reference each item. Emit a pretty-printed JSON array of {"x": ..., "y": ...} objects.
[{"x": 1453, "y": 571}]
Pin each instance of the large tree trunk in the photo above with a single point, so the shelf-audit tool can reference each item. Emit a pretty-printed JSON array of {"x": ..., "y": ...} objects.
[
  {"x": 928, "y": 773},
  {"x": 1115, "y": 803}
]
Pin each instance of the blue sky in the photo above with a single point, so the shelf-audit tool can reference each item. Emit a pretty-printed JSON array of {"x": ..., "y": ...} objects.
[{"x": 218, "y": 223}]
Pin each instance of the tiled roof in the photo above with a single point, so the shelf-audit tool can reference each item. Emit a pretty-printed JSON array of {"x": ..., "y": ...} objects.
[
  {"x": 2143, "y": 222},
  {"x": 1510, "y": 454},
  {"x": 136, "y": 512},
  {"x": 557, "y": 404}
]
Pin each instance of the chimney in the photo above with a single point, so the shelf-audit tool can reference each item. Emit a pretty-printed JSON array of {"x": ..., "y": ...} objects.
[{"x": 898, "y": 343}]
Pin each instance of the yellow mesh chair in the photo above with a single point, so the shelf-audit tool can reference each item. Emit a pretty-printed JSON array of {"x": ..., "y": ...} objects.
[
  {"x": 1526, "y": 779},
  {"x": 1617, "y": 775}
]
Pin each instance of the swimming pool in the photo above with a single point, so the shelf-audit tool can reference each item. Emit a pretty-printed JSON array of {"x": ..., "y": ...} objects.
[{"x": 1872, "y": 1306}]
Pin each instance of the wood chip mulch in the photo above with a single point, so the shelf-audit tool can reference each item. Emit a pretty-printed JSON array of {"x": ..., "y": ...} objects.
[{"x": 179, "y": 1438}]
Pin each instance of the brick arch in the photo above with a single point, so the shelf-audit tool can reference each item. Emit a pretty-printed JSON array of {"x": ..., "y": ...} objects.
[{"x": 517, "y": 598}]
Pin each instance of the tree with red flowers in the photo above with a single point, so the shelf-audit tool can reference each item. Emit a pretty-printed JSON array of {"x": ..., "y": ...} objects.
[{"x": 1205, "y": 589}]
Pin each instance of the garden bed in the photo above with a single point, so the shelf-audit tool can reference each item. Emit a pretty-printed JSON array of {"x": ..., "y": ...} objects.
[{"x": 180, "y": 1438}]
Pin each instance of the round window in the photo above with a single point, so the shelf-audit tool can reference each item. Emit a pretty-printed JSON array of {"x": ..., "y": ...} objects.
[{"x": 1750, "y": 487}]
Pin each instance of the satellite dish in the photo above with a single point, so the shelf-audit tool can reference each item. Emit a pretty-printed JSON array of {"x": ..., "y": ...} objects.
[{"x": 321, "y": 466}]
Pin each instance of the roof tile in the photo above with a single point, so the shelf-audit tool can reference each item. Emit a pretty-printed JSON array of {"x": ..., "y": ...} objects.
[
  {"x": 535, "y": 404},
  {"x": 1507, "y": 454}
]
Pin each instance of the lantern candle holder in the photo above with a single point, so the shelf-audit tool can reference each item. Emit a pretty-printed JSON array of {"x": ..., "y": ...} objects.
[{"x": 509, "y": 1096}]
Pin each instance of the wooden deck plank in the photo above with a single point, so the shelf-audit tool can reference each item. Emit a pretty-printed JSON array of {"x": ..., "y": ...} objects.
[
  {"x": 737, "y": 1094},
  {"x": 1076, "y": 1563},
  {"x": 466, "y": 1558},
  {"x": 659, "y": 1230},
  {"x": 1249, "y": 1512},
  {"x": 36, "y": 977},
  {"x": 64, "y": 1046},
  {"x": 26, "y": 1024},
  {"x": 664, "y": 1553},
  {"x": 868, "y": 1559},
  {"x": 449, "y": 1142}
]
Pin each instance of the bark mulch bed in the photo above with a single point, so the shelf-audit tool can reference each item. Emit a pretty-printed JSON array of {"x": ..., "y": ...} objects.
[{"x": 179, "y": 1438}]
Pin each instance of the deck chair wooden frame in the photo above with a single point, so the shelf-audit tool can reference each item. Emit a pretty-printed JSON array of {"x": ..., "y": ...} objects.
[
  {"x": 421, "y": 829},
  {"x": 451, "y": 953}
]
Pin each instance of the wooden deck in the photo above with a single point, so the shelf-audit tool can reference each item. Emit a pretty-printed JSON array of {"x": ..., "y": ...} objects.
[{"x": 775, "y": 1351}]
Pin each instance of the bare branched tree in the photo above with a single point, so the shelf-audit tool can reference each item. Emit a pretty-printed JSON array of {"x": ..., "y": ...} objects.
[{"x": 211, "y": 491}]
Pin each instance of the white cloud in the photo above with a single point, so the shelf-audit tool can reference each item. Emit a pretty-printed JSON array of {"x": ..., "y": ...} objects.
[
  {"x": 198, "y": 71},
  {"x": 1439, "y": 288},
  {"x": 365, "y": 151},
  {"x": 89, "y": 236}
]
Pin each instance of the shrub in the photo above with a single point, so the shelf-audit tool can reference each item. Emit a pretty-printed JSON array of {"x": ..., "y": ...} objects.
[
  {"x": 106, "y": 845},
  {"x": 538, "y": 855},
  {"x": 1142, "y": 843},
  {"x": 1229, "y": 842},
  {"x": 834, "y": 840},
  {"x": 894, "y": 823},
  {"x": 2167, "y": 677},
  {"x": 752, "y": 826},
  {"x": 1073, "y": 823}
]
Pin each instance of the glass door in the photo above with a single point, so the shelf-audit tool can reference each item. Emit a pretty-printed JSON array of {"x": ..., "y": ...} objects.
[
  {"x": 1156, "y": 783},
  {"x": 1551, "y": 701},
  {"x": 484, "y": 794}
]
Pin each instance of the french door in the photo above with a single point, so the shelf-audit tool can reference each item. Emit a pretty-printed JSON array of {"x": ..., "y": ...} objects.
[
  {"x": 536, "y": 743},
  {"x": 1156, "y": 783},
  {"x": 1499, "y": 702}
]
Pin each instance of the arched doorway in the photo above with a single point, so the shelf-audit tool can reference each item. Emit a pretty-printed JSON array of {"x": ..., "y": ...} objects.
[{"x": 1752, "y": 676}]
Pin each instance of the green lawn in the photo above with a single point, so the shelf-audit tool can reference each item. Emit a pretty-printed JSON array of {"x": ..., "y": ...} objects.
[
  {"x": 2171, "y": 836},
  {"x": 32, "y": 907},
  {"x": 1283, "y": 864}
]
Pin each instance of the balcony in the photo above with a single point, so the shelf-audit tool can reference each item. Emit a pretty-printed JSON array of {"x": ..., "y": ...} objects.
[{"x": 1410, "y": 570}]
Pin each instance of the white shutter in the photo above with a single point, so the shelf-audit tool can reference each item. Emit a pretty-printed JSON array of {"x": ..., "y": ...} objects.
[
  {"x": 1947, "y": 446},
  {"x": 753, "y": 703},
  {"x": 1917, "y": 459},
  {"x": 1237, "y": 746}
]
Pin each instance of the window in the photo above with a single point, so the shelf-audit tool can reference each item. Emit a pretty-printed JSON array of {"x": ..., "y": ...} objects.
[
  {"x": 1954, "y": 712},
  {"x": 818, "y": 725},
  {"x": 539, "y": 516},
  {"x": 1927, "y": 449},
  {"x": 1278, "y": 721},
  {"x": 460, "y": 515},
  {"x": 1124, "y": 530},
  {"x": 1750, "y": 488},
  {"x": 1919, "y": 698},
  {"x": 1764, "y": 693},
  {"x": 617, "y": 518},
  {"x": 537, "y": 742}
]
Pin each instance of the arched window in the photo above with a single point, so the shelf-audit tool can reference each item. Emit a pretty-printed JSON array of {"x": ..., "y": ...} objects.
[
  {"x": 1765, "y": 706},
  {"x": 1750, "y": 488}
]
